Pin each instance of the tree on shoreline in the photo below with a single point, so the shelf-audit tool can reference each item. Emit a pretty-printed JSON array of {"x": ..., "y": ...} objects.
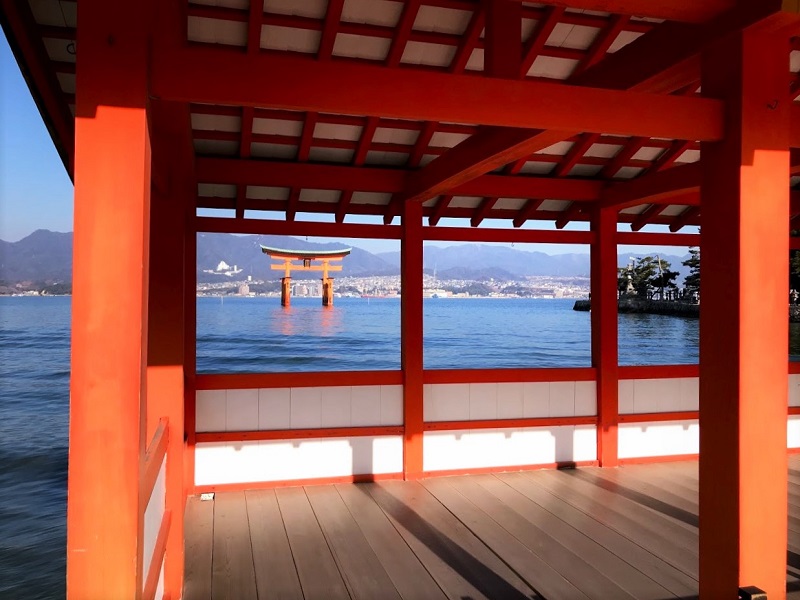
[
  {"x": 692, "y": 281},
  {"x": 647, "y": 276}
]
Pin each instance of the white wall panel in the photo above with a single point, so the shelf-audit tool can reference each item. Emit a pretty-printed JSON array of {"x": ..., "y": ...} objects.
[
  {"x": 536, "y": 400},
  {"x": 366, "y": 409},
  {"x": 391, "y": 405},
  {"x": 153, "y": 515},
  {"x": 642, "y": 396},
  {"x": 482, "y": 401},
  {"x": 241, "y": 410},
  {"x": 336, "y": 406},
  {"x": 585, "y": 398},
  {"x": 484, "y": 448},
  {"x": 446, "y": 402},
  {"x": 665, "y": 438},
  {"x": 487, "y": 401},
  {"x": 210, "y": 410},
  {"x": 793, "y": 432},
  {"x": 562, "y": 399},
  {"x": 794, "y": 389},
  {"x": 306, "y": 411},
  {"x": 218, "y": 463},
  {"x": 299, "y": 408},
  {"x": 274, "y": 408},
  {"x": 510, "y": 400}
]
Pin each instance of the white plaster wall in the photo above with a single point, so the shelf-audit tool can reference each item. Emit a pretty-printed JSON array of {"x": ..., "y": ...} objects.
[
  {"x": 299, "y": 408},
  {"x": 153, "y": 515},
  {"x": 488, "y": 401},
  {"x": 483, "y": 448},
  {"x": 793, "y": 432},
  {"x": 219, "y": 463},
  {"x": 638, "y": 396},
  {"x": 664, "y": 438}
]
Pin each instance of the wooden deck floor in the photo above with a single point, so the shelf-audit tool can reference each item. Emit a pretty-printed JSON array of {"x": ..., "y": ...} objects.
[{"x": 586, "y": 533}]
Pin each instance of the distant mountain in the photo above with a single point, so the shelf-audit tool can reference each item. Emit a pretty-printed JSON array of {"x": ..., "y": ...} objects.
[
  {"x": 516, "y": 262},
  {"x": 43, "y": 256},
  {"x": 46, "y": 256}
]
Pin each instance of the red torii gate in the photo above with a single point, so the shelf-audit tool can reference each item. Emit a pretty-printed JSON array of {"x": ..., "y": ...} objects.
[{"x": 326, "y": 256}]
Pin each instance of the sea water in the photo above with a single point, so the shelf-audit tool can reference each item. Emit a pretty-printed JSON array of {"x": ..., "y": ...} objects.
[{"x": 258, "y": 335}]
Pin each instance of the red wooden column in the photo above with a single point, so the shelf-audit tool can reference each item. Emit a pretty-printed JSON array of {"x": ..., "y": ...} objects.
[
  {"x": 744, "y": 327},
  {"x": 605, "y": 353},
  {"x": 172, "y": 160},
  {"x": 411, "y": 337},
  {"x": 109, "y": 303}
]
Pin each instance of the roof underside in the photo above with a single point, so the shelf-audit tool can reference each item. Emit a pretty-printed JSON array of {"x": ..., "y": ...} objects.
[{"x": 300, "y": 161}]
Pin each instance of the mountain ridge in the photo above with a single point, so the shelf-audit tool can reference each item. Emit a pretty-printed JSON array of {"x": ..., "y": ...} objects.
[{"x": 46, "y": 256}]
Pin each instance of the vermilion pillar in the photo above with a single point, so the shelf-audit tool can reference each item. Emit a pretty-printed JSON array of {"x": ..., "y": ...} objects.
[
  {"x": 327, "y": 291},
  {"x": 109, "y": 303},
  {"x": 411, "y": 337},
  {"x": 170, "y": 202},
  {"x": 286, "y": 291},
  {"x": 744, "y": 324},
  {"x": 605, "y": 353}
]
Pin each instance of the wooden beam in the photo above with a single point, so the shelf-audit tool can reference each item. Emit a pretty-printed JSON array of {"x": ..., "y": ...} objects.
[
  {"x": 374, "y": 179},
  {"x": 671, "y": 10},
  {"x": 654, "y": 187},
  {"x": 217, "y": 76}
]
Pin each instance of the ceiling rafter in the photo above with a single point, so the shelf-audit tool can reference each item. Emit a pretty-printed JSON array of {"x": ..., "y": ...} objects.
[
  {"x": 603, "y": 42},
  {"x": 574, "y": 155},
  {"x": 685, "y": 218},
  {"x": 330, "y": 24},
  {"x": 571, "y": 213},
  {"x": 483, "y": 210},
  {"x": 536, "y": 42},
  {"x": 403, "y": 32},
  {"x": 646, "y": 216},
  {"x": 469, "y": 41},
  {"x": 439, "y": 210},
  {"x": 527, "y": 211}
]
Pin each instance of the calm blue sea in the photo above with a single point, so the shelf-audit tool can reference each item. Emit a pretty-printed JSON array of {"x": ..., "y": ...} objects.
[{"x": 257, "y": 335}]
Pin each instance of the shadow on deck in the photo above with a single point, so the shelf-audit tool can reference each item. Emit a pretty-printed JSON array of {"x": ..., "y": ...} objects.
[{"x": 585, "y": 533}]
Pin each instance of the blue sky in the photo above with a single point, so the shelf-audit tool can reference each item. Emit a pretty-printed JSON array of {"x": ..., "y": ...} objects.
[{"x": 36, "y": 193}]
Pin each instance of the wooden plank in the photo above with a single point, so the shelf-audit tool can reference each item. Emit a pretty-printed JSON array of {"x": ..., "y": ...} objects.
[
  {"x": 512, "y": 510},
  {"x": 644, "y": 494},
  {"x": 316, "y": 568},
  {"x": 641, "y": 525},
  {"x": 276, "y": 576},
  {"x": 459, "y": 562},
  {"x": 198, "y": 549},
  {"x": 408, "y": 575},
  {"x": 233, "y": 574},
  {"x": 360, "y": 568},
  {"x": 522, "y": 545},
  {"x": 649, "y": 563}
]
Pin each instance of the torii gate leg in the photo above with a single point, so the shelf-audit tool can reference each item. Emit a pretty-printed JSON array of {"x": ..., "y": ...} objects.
[
  {"x": 327, "y": 291},
  {"x": 286, "y": 291}
]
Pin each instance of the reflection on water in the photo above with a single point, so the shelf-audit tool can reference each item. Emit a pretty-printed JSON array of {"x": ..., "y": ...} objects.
[{"x": 251, "y": 335}]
